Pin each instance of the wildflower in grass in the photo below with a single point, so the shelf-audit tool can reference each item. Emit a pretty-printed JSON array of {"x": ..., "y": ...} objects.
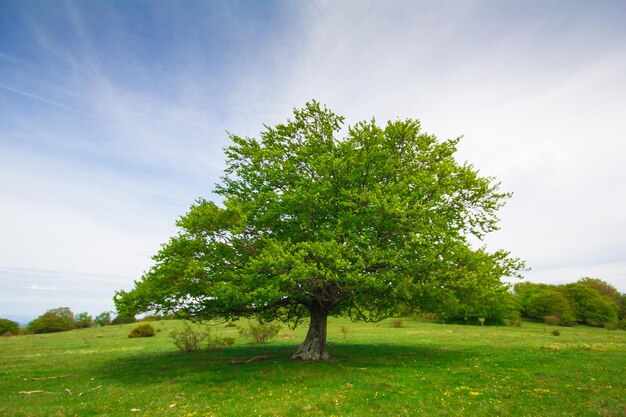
[
  {"x": 543, "y": 391},
  {"x": 474, "y": 393}
]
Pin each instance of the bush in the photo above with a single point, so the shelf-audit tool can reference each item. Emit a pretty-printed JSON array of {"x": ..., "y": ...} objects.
[
  {"x": 190, "y": 339},
  {"x": 556, "y": 332},
  {"x": 228, "y": 341},
  {"x": 143, "y": 330},
  {"x": 7, "y": 325},
  {"x": 260, "y": 332},
  {"x": 552, "y": 320},
  {"x": 397, "y": 323}
]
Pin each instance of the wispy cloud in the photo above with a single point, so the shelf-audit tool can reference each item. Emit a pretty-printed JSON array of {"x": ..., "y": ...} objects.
[
  {"x": 8, "y": 58},
  {"x": 34, "y": 96},
  {"x": 97, "y": 188}
]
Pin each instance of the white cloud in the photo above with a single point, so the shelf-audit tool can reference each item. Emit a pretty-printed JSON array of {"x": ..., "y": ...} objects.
[
  {"x": 40, "y": 288},
  {"x": 96, "y": 189}
]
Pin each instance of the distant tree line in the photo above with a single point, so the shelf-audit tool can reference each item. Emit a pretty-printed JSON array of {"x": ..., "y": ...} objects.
[
  {"x": 588, "y": 301},
  {"x": 62, "y": 319}
]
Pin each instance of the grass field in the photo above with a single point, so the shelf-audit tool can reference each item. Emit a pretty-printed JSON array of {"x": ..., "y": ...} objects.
[{"x": 419, "y": 369}]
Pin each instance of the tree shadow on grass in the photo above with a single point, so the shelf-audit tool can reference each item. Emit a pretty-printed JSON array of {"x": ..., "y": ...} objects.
[{"x": 215, "y": 367}]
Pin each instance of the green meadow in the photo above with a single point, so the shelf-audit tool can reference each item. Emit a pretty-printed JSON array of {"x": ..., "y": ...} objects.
[{"x": 427, "y": 369}]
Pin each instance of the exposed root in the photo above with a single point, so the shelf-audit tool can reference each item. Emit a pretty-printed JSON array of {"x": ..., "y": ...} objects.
[{"x": 311, "y": 350}]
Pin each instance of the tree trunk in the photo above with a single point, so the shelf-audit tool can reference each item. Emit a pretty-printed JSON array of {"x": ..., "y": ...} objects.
[{"x": 314, "y": 346}]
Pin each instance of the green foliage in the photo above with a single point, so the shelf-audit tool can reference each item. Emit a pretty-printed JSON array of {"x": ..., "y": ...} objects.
[
  {"x": 54, "y": 320},
  {"x": 84, "y": 320},
  {"x": 556, "y": 332},
  {"x": 496, "y": 309},
  {"x": 352, "y": 226},
  {"x": 143, "y": 330},
  {"x": 607, "y": 290},
  {"x": 103, "y": 319},
  {"x": 552, "y": 320},
  {"x": 260, "y": 332},
  {"x": 590, "y": 306},
  {"x": 7, "y": 325},
  {"x": 124, "y": 319},
  {"x": 541, "y": 300},
  {"x": 580, "y": 302}
]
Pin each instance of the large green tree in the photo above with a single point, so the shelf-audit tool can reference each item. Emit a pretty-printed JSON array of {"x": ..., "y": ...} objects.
[{"x": 311, "y": 225}]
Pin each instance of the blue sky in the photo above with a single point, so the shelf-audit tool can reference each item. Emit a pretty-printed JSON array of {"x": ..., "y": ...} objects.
[{"x": 113, "y": 118}]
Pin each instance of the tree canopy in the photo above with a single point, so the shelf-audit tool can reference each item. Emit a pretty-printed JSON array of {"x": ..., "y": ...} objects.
[
  {"x": 9, "y": 326},
  {"x": 589, "y": 300},
  {"x": 54, "y": 320},
  {"x": 312, "y": 224}
]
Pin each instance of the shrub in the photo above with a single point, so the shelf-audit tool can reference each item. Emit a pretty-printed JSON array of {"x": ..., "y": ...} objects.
[
  {"x": 260, "y": 332},
  {"x": 556, "y": 332},
  {"x": 143, "y": 330},
  {"x": 230, "y": 324},
  {"x": 7, "y": 325},
  {"x": 552, "y": 320},
  {"x": 228, "y": 341},
  {"x": 397, "y": 323},
  {"x": 190, "y": 339}
]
